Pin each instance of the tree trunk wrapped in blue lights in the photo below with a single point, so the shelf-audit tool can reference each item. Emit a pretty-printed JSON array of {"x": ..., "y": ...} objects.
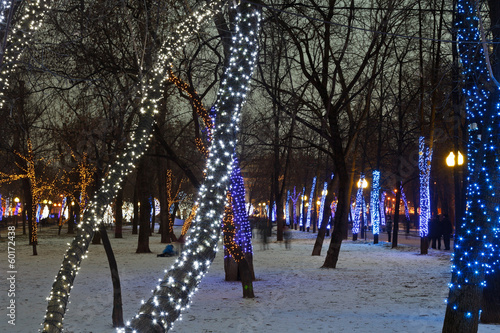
[
  {"x": 474, "y": 237},
  {"x": 240, "y": 239},
  {"x": 358, "y": 210},
  {"x": 375, "y": 205},
  {"x": 424, "y": 167},
  {"x": 311, "y": 205},
  {"x": 173, "y": 293},
  {"x": 243, "y": 236}
]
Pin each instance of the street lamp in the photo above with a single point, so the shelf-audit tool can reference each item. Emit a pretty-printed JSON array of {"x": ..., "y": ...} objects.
[
  {"x": 16, "y": 211},
  {"x": 451, "y": 160},
  {"x": 456, "y": 163},
  {"x": 362, "y": 183}
]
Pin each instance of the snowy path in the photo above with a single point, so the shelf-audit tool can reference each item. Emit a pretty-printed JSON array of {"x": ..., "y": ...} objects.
[{"x": 374, "y": 289}]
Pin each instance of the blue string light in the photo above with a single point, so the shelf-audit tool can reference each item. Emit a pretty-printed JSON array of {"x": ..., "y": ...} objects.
[
  {"x": 424, "y": 166},
  {"x": 359, "y": 205},
  {"x": 374, "y": 202},
  {"x": 287, "y": 208},
  {"x": 382, "y": 208},
  {"x": 311, "y": 204},
  {"x": 243, "y": 231},
  {"x": 475, "y": 253},
  {"x": 301, "y": 219},
  {"x": 405, "y": 202}
]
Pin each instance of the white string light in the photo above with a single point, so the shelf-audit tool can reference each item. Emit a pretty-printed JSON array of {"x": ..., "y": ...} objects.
[
  {"x": 173, "y": 293},
  {"x": 125, "y": 163}
]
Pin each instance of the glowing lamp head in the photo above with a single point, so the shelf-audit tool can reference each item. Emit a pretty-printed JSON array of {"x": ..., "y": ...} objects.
[
  {"x": 16, "y": 200},
  {"x": 362, "y": 183},
  {"x": 450, "y": 160}
]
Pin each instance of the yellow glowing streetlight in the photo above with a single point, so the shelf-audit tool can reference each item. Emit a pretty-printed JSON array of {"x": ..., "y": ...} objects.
[
  {"x": 16, "y": 200},
  {"x": 362, "y": 183},
  {"x": 450, "y": 160}
]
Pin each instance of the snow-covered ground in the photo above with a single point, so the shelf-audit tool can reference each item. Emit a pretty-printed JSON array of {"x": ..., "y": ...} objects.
[{"x": 374, "y": 289}]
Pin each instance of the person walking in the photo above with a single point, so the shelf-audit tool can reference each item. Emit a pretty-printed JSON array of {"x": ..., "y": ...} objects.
[
  {"x": 388, "y": 227},
  {"x": 287, "y": 233},
  {"x": 447, "y": 230},
  {"x": 435, "y": 232}
]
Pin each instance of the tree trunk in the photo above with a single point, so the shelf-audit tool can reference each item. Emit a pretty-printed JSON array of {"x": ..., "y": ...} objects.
[
  {"x": 491, "y": 292},
  {"x": 97, "y": 238},
  {"x": 468, "y": 270},
  {"x": 491, "y": 299},
  {"x": 117, "y": 314},
  {"x": 28, "y": 202},
  {"x": 246, "y": 274},
  {"x": 318, "y": 244},
  {"x": 119, "y": 214},
  {"x": 340, "y": 221},
  {"x": 230, "y": 268},
  {"x": 153, "y": 216},
  {"x": 395, "y": 222},
  {"x": 162, "y": 196},
  {"x": 145, "y": 214},
  {"x": 71, "y": 219},
  {"x": 135, "y": 218},
  {"x": 24, "y": 217},
  {"x": 458, "y": 320}
]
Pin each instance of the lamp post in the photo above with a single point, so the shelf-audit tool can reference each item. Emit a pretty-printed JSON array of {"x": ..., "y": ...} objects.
[
  {"x": 455, "y": 160},
  {"x": 304, "y": 205},
  {"x": 362, "y": 184},
  {"x": 16, "y": 211}
]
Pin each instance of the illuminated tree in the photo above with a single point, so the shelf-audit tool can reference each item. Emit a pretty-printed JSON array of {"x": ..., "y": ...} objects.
[
  {"x": 491, "y": 293},
  {"x": 294, "y": 198},
  {"x": 238, "y": 244},
  {"x": 359, "y": 209},
  {"x": 475, "y": 246},
  {"x": 424, "y": 163},
  {"x": 310, "y": 207},
  {"x": 172, "y": 199},
  {"x": 173, "y": 292},
  {"x": 37, "y": 186},
  {"x": 125, "y": 162},
  {"x": 375, "y": 205}
]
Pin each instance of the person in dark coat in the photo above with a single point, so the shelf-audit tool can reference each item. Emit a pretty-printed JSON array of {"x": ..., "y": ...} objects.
[
  {"x": 388, "y": 227},
  {"x": 447, "y": 230},
  {"x": 435, "y": 232}
]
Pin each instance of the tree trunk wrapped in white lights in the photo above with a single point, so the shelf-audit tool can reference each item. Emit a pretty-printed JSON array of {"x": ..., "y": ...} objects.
[
  {"x": 174, "y": 291},
  {"x": 59, "y": 296}
]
